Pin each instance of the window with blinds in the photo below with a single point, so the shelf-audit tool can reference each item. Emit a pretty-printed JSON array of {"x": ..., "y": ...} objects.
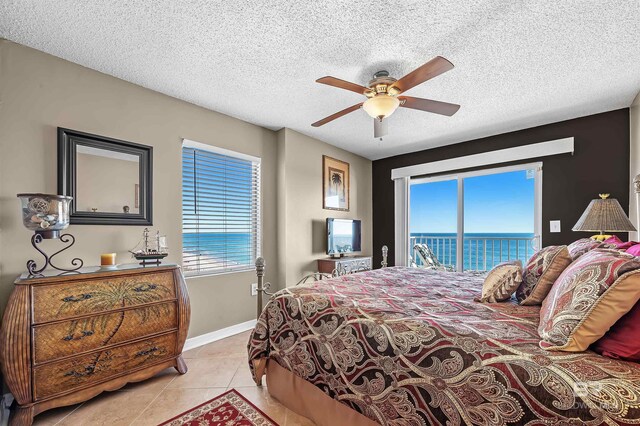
[{"x": 220, "y": 210}]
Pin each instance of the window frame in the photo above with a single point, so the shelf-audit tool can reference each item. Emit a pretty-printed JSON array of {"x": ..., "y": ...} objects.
[{"x": 256, "y": 162}]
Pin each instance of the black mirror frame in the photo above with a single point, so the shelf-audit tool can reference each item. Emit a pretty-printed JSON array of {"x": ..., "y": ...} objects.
[{"x": 67, "y": 141}]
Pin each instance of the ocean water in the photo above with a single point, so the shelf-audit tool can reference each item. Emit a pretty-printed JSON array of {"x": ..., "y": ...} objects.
[
  {"x": 225, "y": 249},
  {"x": 237, "y": 249},
  {"x": 481, "y": 251}
]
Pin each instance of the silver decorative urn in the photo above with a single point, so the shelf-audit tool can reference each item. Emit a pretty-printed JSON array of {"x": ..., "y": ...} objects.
[{"x": 46, "y": 215}]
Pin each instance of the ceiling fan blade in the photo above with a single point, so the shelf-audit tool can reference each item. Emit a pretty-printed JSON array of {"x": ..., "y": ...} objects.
[
  {"x": 431, "y": 69},
  {"x": 342, "y": 84},
  {"x": 337, "y": 115},
  {"x": 428, "y": 105},
  {"x": 380, "y": 128}
]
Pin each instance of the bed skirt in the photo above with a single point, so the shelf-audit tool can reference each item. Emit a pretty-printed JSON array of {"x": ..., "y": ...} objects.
[{"x": 302, "y": 397}]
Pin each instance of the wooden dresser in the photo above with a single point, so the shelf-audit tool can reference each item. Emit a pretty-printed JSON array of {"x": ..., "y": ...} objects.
[
  {"x": 67, "y": 338},
  {"x": 344, "y": 265}
]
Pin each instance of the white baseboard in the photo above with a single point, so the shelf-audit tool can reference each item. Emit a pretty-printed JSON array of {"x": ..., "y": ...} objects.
[{"x": 203, "y": 339}]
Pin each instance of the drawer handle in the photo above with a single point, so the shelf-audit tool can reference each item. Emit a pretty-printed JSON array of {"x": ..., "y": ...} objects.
[
  {"x": 80, "y": 298},
  {"x": 145, "y": 287},
  {"x": 83, "y": 334},
  {"x": 147, "y": 351},
  {"x": 88, "y": 370}
]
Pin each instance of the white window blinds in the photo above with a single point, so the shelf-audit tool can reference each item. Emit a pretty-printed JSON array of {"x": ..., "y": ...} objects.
[{"x": 220, "y": 210}]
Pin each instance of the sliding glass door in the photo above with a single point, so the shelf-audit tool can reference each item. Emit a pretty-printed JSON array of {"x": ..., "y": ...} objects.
[
  {"x": 499, "y": 218},
  {"x": 434, "y": 220},
  {"x": 475, "y": 220}
]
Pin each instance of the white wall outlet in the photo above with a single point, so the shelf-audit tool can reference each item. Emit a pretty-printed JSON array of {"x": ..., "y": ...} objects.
[
  {"x": 254, "y": 289},
  {"x": 554, "y": 226}
]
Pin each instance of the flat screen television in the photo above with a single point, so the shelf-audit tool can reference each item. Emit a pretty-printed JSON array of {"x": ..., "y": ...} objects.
[{"x": 343, "y": 236}]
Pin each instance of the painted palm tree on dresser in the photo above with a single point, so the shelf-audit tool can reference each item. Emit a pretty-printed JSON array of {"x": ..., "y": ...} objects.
[{"x": 108, "y": 297}]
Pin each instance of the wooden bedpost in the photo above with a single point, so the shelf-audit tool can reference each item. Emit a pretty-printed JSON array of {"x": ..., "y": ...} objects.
[
  {"x": 385, "y": 251},
  {"x": 260, "y": 264}
]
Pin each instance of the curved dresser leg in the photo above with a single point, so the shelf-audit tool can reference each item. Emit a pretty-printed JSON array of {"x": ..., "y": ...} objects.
[
  {"x": 181, "y": 366},
  {"x": 21, "y": 416}
]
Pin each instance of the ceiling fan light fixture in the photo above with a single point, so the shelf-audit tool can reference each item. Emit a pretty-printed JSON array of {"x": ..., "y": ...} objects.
[
  {"x": 383, "y": 90},
  {"x": 381, "y": 106},
  {"x": 393, "y": 91}
]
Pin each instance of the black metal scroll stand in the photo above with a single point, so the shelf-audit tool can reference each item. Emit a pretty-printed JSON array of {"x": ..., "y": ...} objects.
[{"x": 65, "y": 238}]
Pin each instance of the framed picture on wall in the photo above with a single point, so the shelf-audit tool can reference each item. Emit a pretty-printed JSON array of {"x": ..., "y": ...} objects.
[{"x": 335, "y": 184}]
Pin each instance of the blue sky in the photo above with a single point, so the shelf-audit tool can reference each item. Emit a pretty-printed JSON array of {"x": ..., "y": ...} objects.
[{"x": 498, "y": 203}]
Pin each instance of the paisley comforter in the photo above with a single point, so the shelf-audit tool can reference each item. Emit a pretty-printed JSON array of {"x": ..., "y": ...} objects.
[{"x": 406, "y": 346}]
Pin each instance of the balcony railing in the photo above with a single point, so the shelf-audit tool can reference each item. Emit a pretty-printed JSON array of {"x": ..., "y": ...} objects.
[{"x": 479, "y": 253}]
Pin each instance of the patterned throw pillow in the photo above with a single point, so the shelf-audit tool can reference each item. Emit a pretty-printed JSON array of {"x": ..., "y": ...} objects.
[
  {"x": 501, "y": 282},
  {"x": 541, "y": 272},
  {"x": 592, "y": 294},
  {"x": 581, "y": 246}
]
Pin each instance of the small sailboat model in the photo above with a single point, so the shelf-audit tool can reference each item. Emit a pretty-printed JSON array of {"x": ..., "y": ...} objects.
[{"x": 150, "y": 252}]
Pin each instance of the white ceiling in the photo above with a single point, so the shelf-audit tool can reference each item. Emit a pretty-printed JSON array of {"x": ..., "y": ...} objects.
[{"x": 518, "y": 63}]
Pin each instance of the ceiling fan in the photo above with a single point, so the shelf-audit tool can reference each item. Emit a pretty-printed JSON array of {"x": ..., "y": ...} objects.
[{"x": 384, "y": 95}]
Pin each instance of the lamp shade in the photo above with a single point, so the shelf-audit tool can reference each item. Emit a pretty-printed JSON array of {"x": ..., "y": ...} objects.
[
  {"x": 381, "y": 106},
  {"x": 604, "y": 215}
]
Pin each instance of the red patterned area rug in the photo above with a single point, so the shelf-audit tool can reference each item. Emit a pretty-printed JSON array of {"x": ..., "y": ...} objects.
[{"x": 228, "y": 409}]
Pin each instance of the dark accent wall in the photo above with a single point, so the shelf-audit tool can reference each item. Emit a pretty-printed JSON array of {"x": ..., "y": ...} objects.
[{"x": 599, "y": 164}]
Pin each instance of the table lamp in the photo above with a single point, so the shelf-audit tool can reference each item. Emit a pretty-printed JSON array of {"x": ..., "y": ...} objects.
[{"x": 604, "y": 215}]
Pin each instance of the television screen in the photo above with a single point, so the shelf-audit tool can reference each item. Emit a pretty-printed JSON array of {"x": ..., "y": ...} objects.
[{"x": 343, "y": 236}]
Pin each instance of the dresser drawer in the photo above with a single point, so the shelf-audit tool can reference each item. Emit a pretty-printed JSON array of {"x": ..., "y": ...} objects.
[
  {"x": 62, "y": 376},
  {"x": 353, "y": 265},
  {"x": 55, "y": 340},
  {"x": 55, "y": 302}
]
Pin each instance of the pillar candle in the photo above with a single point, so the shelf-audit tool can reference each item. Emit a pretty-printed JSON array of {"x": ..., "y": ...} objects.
[{"x": 108, "y": 259}]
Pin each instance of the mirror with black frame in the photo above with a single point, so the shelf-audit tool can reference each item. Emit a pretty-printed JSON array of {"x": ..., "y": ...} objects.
[{"x": 109, "y": 179}]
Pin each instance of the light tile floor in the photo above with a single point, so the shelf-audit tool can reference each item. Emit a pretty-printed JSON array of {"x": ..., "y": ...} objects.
[{"x": 213, "y": 369}]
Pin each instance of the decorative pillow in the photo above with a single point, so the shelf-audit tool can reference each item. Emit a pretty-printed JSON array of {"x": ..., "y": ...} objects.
[
  {"x": 623, "y": 340},
  {"x": 634, "y": 250},
  {"x": 613, "y": 241},
  {"x": 627, "y": 245},
  {"x": 588, "y": 298},
  {"x": 618, "y": 244},
  {"x": 501, "y": 282},
  {"x": 541, "y": 272},
  {"x": 581, "y": 246}
]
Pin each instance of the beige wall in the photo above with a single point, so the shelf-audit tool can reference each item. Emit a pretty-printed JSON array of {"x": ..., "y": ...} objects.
[
  {"x": 634, "y": 170},
  {"x": 303, "y": 239},
  {"x": 39, "y": 92},
  {"x": 281, "y": 210}
]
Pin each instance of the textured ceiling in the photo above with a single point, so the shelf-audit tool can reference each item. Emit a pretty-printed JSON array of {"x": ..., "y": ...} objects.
[{"x": 518, "y": 63}]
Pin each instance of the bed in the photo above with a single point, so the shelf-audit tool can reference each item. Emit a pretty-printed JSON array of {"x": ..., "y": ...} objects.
[{"x": 406, "y": 346}]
